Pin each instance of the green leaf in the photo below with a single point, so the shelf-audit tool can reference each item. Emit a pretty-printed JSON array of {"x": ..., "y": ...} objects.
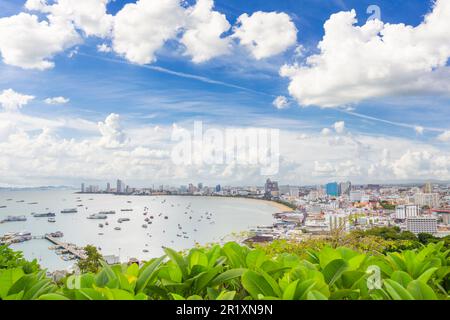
[
  {"x": 256, "y": 284},
  {"x": 316, "y": 295},
  {"x": 425, "y": 277},
  {"x": 224, "y": 295},
  {"x": 227, "y": 276},
  {"x": 53, "y": 296},
  {"x": 421, "y": 291},
  {"x": 148, "y": 273},
  {"x": 177, "y": 297},
  {"x": 402, "y": 278},
  {"x": 334, "y": 270},
  {"x": 178, "y": 260},
  {"x": 289, "y": 292},
  {"x": 255, "y": 259},
  {"x": 7, "y": 279},
  {"x": 396, "y": 291},
  {"x": 197, "y": 258}
]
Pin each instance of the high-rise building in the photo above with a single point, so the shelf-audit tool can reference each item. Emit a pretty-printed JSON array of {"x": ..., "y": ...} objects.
[
  {"x": 345, "y": 187},
  {"x": 338, "y": 222},
  {"x": 108, "y": 187},
  {"x": 430, "y": 200},
  {"x": 119, "y": 186},
  {"x": 200, "y": 186},
  {"x": 218, "y": 188},
  {"x": 271, "y": 188},
  {"x": 82, "y": 188},
  {"x": 403, "y": 212},
  {"x": 355, "y": 196},
  {"x": 428, "y": 188},
  {"x": 332, "y": 189},
  {"x": 424, "y": 224}
]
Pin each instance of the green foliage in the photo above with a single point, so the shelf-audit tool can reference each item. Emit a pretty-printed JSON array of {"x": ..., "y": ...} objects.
[
  {"x": 12, "y": 259},
  {"x": 235, "y": 272},
  {"x": 92, "y": 262}
]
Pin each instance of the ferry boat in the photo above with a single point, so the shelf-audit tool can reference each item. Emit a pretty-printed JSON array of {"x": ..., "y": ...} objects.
[
  {"x": 74, "y": 210},
  {"x": 14, "y": 219},
  {"x": 107, "y": 212},
  {"x": 97, "y": 216},
  {"x": 43, "y": 215}
]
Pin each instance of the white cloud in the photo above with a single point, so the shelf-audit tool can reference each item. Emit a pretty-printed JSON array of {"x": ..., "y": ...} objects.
[
  {"x": 374, "y": 60},
  {"x": 419, "y": 130},
  {"x": 13, "y": 101},
  {"x": 142, "y": 28},
  {"x": 203, "y": 36},
  {"x": 111, "y": 131},
  {"x": 104, "y": 48},
  {"x": 281, "y": 102},
  {"x": 29, "y": 43},
  {"x": 57, "y": 100},
  {"x": 266, "y": 34},
  {"x": 88, "y": 15},
  {"x": 339, "y": 127},
  {"x": 326, "y": 132},
  {"x": 444, "y": 137}
]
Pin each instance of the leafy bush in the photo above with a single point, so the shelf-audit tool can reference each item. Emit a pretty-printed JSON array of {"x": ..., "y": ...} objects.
[
  {"x": 235, "y": 272},
  {"x": 12, "y": 259}
]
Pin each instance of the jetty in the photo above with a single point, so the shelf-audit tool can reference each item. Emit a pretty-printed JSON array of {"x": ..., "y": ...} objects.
[{"x": 79, "y": 254}]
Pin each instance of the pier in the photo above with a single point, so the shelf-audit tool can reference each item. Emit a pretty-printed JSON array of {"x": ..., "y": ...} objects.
[{"x": 79, "y": 254}]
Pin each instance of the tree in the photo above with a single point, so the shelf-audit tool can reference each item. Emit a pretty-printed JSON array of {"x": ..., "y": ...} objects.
[
  {"x": 426, "y": 238},
  {"x": 92, "y": 261},
  {"x": 12, "y": 259}
]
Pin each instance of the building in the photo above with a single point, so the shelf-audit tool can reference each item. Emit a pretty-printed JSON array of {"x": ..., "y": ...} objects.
[
  {"x": 108, "y": 187},
  {"x": 332, "y": 189},
  {"x": 430, "y": 200},
  {"x": 345, "y": 187},
  {"x": 271, "y": 188},
  {"x": 120, "y": 186},
  {"x": 428, "y": 188},
  {"x": 423, "y": 224},
  {"x": 405, "y": 211},
  {"x": 355, "y": 196},
  {"x": 82, "y": 188},
  {"x": 337, "y": 222}
]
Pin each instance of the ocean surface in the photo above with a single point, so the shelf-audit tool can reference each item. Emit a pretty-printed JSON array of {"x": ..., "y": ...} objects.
[{"x": 187, "y": 222}]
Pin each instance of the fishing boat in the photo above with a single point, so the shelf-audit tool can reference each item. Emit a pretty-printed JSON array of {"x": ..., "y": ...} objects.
[
  {"x": 107, "y": 212},
  {"x": 123, "y": 220},
  {"x": 44, "y": 215},
  {"x": 14, "y": 219},
  {"x": 144, "y": 226},
  {"x": 97, "y": 216},
  {"x": 117, "y": 228},
  {"x": 51, "y": 220},
  {"x": 73, "y": 210},
  {"x": 100, "y": 225}
]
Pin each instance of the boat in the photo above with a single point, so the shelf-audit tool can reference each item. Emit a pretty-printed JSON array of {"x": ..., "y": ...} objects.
[
  {"x": 100, "y": 225},
  {"x": 74, "y": 210},
  {"x": 128, "y": 201},
  {"x": 57, "y": 234},
  {"x": 107, "y": 212},
  {"x": 123, "y": 220},
  {"x": 166, "y": 217},
  {"x": 145, "y": 250},
  {"x": 117, "y": 228},
  {"x": 2, "y": 207},
  {"x": 51, "y": 220},
  {"x": 32, "y": 203},
  {"x": 97, "y": 216},
  {"x": 20, "y": 201},
  {"x": 106, "y": 223},
  {"x": 144, "y": 226},
  {"x": 43, "y": 215},
  {"x": 124, "y": 210},
  {"x": 14, "y": 219}
]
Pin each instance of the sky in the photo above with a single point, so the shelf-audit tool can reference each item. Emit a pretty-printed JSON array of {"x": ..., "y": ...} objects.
[{"x": 93, "y": 90}]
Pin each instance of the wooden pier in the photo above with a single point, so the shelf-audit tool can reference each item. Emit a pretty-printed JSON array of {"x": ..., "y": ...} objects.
[{"x": 79, "y": 254}]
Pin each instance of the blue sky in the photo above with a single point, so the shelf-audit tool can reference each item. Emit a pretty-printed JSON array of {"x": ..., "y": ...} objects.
[{"x": 229, "y": 90}]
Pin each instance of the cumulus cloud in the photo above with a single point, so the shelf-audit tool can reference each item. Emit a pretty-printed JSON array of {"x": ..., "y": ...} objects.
[
  {"x": 142, "y": 28},
  {"x": 326, "y": 132},
  {"x": 374, "y": 60},
  {"x": 281, "y": 102},
  {"x": 111, "y": 131},
  {"x": 90, "y": 16},
  {"x": 104, "y": 48},
  {"x": 265, "y": 34},
  {"x": 419, "y": 130},
  {"x": 203, "y": 36},
  {"x": 29, "y": 43},
  {"x": 339, "y": 127},
  {"x": 444, "y": 137},
  {"x": 57, "y": 100},
  {"x": 11, "y": 100}
]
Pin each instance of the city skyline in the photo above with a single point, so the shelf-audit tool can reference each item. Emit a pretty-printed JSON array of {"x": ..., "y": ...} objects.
[{"x": 92, "y": 104}]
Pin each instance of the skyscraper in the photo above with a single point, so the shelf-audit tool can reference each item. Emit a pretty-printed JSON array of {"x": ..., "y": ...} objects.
[
  {"x": 82, "y": 188},
  {"x": 108, "y": 187},
  {"x": 332, "y": 189},
  {"x": 119, "y": 186},
  {"x": 345, "y": 187}
]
